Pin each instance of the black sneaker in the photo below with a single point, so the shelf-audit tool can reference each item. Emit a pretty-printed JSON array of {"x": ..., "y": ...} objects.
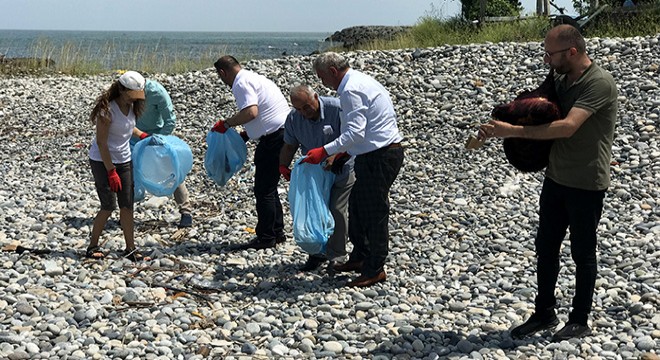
[
  {"x": 571, "y": 331},
  {"x": 280, "y": 239},
  {"x": 186, "y": 221},
  {"x": 256, "y": 244},
  {"x": 313, "y": 263},
  {"x": 534, "y": 324}
]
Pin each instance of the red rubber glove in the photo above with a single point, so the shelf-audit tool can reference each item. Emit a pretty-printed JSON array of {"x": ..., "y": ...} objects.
[
  {"x": 285, "y": 172},
  {"x": 315, "y": 156},
  {"x": 143, "y": 135},
  {"x": 114, "y": 180},
  {"x": 219, "y": 127},
  {"x": 245, "y": 136}
]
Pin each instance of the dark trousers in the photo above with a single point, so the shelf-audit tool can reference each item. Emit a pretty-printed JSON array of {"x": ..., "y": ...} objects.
[
  {"x": 564, "y": 207},
  {"x": 369, "y": 207},
  {"x": 270, "y": 218}
]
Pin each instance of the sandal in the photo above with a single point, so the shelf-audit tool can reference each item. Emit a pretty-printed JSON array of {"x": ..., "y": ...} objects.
[
  {"x": 134, "y": 255},
  {"x": 95, "y": 252}
]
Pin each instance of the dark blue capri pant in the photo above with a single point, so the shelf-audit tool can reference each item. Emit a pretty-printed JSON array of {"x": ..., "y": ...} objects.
[{"x": 108, "y": 198}]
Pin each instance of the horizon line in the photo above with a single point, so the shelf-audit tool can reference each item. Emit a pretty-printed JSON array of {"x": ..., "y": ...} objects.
[{"x": 206, "y": 31}]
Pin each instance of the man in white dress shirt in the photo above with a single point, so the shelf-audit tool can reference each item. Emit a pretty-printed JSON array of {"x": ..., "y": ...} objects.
[
  {"x": 262, "y": 111},
  {"x": 369, "y": 131}
]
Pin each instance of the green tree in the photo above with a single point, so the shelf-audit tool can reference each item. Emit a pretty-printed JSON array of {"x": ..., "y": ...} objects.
[{"x": 470, "y": 8}]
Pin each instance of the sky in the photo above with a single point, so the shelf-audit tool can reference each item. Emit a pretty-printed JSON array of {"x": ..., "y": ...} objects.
[{"x": 221, "y": 15}]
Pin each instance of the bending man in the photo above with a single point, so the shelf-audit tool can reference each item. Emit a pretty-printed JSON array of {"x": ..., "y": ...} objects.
[
  {"x": 314, "y": 122},
  {"x": 159, "y": 118},
  {"x": 369, "y": 132},
  {"x": 262, "y": 110}
]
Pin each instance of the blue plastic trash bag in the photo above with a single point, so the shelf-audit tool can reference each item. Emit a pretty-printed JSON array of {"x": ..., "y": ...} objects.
[
  {"x": 160, "y": 164},
  {"x": 139, "y": 193},
  {"x": 309, "y": 200},
  {"x": 225, "y": 155},
  {"x": 138, "y": 189}
]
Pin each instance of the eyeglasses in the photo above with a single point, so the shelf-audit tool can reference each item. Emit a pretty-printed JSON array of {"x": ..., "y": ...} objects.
[{"x": 549, "y": 54}]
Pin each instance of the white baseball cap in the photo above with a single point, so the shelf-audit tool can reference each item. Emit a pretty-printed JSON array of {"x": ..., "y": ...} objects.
[{"x": 134, "y": 82}]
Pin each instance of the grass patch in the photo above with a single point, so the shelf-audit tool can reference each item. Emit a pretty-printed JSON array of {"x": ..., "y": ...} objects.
[
  {"x": 75, "y": 59},
  {"x": 641, "y": 20},
  {"x": 431, "y": 31}
]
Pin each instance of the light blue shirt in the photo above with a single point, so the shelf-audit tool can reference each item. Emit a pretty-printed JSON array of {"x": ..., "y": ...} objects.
[
  {"x": 368, "y": 120},
  {"x": 313, "y": 133},
  {"x": 158, "y": 116}
]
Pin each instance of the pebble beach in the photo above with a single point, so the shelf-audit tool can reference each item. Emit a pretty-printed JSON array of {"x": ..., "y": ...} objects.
[{"x": 461, "y": 271}]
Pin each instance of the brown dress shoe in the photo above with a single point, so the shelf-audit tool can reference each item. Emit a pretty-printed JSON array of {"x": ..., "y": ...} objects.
[
  {"x": 364, "y": 281},
  {"x": 348, "y": 266}
]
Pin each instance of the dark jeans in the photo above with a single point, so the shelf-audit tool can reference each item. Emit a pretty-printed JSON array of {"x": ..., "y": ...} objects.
[
  {"x": 270, "y": 218},
  {"x": 369, "y": 207},
  {"x": 563, "y": 207}
]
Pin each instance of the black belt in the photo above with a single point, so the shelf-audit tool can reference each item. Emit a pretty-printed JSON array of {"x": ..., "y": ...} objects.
[
  {"x": 274, "y": 133},
  {"x": 382, "y": 150}
]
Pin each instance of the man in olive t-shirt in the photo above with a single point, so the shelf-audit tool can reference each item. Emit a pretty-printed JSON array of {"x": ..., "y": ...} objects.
[
  {"x": 583, "y": 160},
  {"x": 577, "y": 177}
]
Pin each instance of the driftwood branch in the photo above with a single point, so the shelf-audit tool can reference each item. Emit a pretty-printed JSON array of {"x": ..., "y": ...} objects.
[{"x": 175, "y": 289}]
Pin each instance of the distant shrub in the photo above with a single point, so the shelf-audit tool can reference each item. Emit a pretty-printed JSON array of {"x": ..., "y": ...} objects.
[
  {"x": 626, "y": 22},
  {"x": 470, "y": 8}
]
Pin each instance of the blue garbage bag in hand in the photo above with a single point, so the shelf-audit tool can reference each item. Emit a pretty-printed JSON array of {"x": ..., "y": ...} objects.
[
  {"x": 309, "y": 200},
  {"x": 160, "y": 164},
  {"x": 139, "y": 193},
  {"x": 225, "y": 155}
]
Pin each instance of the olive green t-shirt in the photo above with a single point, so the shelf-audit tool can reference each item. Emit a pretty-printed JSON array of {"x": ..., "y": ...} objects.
[{"x": 583, "y": 160}]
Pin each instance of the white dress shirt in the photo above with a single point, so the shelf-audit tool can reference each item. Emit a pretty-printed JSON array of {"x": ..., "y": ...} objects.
[
  {"x": 250, "y": 88},
  {"x": 368, "y": 121}
]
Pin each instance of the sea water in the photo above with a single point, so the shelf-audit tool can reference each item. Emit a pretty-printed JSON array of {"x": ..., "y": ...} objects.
[{"x": 108, "y": 46}]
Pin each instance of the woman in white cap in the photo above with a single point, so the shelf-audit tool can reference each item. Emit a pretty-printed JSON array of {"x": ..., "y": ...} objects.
[{"x": 110, "y": 158}]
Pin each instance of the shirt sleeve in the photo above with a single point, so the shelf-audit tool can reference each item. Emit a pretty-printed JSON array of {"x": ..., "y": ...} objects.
[
  {"x": 595, "y": 96},
  {"x": 245, "y": 95},
  {"x": 355, "y": 106},
  {"x": 166, "y": 109},
  {"x": 289, "y": 131}
]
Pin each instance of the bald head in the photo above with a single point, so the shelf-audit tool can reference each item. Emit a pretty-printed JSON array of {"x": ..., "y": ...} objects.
[
  {"x": 301, "y": 91},
  {"x": 565, "y": 51},
  {"x": 567, "y": 36},
  {"x": 305, "y": 100}
]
